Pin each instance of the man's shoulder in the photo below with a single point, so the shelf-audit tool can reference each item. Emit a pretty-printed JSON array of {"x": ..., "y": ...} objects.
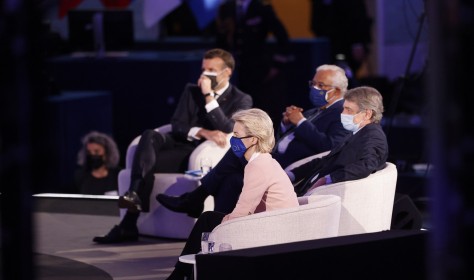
[
  {"x": 372, "y": 130},
  {"x": 236, "y": 91},
  {"x": 191, "y": 87}
]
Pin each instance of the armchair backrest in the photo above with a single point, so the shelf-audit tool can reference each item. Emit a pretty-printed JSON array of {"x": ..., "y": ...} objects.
[
  {"x": 367, "y": 203},
  {"x": 305, "y": 160},
  {"x": 210, "y": 150},
  {"x": 316, "y": 217}
]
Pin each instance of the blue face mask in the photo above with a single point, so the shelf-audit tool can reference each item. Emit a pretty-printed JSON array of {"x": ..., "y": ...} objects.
[
  {"x": 237, "y": 146},
  {"x": 348, "y": 122},
  {"x": 318, "y": 97}
]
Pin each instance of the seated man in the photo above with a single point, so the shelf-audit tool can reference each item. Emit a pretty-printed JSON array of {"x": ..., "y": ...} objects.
[
  {"x": 302, "y": 134},
  {"x": 204, "y": 112},
  {"x": 362, "y": 153}
]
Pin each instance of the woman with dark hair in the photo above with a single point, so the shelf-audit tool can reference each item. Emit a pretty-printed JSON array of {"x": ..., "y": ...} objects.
[{"x": 98, "y": 160}]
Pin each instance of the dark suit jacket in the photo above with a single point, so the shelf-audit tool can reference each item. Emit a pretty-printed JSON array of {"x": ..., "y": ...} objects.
[
  {"x": 314, "y": 136},
  {"x": 191, "y": 112},
  {"x": 357, "y": 157}
]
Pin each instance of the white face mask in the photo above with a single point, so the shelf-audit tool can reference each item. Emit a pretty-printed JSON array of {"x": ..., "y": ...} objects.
[{"x": 348, "y": 122}]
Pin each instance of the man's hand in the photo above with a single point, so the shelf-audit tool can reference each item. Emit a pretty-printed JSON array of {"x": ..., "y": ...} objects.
[
  {"x": 217, "y": 136},
  {"x": 292, "y": 115},
  {"x": 205, "y": 84}
]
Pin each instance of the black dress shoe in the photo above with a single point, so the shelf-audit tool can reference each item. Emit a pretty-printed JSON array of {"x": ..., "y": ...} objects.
[
  {"x": 131, "y": 201},
  {"x": 117, "y": 235},
  {"x": 181, "y": 204}
]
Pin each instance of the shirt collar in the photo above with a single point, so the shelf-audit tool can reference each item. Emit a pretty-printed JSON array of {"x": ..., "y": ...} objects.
[
  {"x": 334, "y": 103},
  {"x": 222, "y": 90}
]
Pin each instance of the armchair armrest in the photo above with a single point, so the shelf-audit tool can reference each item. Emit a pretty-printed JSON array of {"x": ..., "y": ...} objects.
[{"x": 317, "y": 219}]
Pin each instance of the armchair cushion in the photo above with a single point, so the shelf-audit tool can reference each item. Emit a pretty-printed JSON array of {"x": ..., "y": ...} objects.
[
  {"x": 160, "y": 221},
  {"x": 316, "y": 217}
]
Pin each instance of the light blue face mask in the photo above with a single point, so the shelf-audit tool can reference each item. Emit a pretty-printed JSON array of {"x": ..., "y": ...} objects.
[
  {"x": 348, "y": 122},
  {"x": 237, "y": 146}
]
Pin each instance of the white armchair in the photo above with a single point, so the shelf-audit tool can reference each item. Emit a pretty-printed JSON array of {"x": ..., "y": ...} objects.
[
  {"x": 316, "y": 217},
  {"x": 160, "y": 221},
  {"x": 367, "y": 203}
]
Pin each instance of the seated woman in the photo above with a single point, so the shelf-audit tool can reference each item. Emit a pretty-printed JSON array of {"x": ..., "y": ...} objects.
[
  {"x": 98, "y": 165},
  {"x": 266, "y": 185}
]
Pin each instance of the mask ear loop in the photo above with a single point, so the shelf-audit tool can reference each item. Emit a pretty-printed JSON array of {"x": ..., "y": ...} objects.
[
  {"x": 218, "y": 83},
  {"x": 326, "y": 96},
  {"x": 362, "y": 118}
]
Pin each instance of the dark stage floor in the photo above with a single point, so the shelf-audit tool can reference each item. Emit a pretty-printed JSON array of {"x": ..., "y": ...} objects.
[{"x": 64, "y": 244}]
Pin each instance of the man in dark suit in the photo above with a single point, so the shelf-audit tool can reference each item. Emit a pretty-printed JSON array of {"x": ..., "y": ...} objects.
[
  {"x": 301, "y": 134},
  {"x": 363, "y": 152},
  {"x": 203, "y": 113}
]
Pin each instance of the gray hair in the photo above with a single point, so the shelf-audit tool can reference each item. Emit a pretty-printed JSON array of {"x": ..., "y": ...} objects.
[
  {"x": 258, "y": 124},
  {"x": 339, "y": 78},
  {"x": 367, "y": 98},
  {"x": 112, "y": 155}
]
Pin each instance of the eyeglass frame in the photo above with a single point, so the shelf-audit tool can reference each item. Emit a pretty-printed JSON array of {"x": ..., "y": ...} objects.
[{"x": 319, "y": 85}]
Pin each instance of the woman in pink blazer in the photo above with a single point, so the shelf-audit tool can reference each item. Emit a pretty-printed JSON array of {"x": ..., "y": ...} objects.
[{"x": 266, "y": 185}]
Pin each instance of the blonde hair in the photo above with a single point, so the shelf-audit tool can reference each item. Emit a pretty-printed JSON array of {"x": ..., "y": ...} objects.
[{"x": 258, "y": 124}]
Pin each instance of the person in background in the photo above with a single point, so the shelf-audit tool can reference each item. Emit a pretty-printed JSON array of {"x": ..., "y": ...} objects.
[
  {"x": 203, "y": 113},
  {"x": 266, "y": 185},
  {"x": 98, "y": 160},
  {"x": 347, "y": 25},
  {"x": 243, "y": 27}
]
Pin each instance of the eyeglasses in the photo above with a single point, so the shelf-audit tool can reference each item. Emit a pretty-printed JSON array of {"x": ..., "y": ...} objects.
[{"x": 319, "y": 85}]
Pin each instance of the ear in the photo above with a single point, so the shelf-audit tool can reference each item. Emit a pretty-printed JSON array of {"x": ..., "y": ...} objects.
[
  {"x": 369, "y": 114},
  {"x": 228, "y": 71}
]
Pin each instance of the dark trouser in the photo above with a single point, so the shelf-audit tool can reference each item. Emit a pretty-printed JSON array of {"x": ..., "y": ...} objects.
[
  {"x": 156, "y": 153},
  {"x": 225, "y": 182},
  {"x": 206, "y": 222}
]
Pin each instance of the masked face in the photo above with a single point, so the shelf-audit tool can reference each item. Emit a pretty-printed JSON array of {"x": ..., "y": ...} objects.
[
  {"x": 318, "y": 96},
  {"x": 237, "y": 146},
  {"x": 348, "y": 122},
  {"x": 94, "y": 162},
  {"x": 213, "y": 77}
]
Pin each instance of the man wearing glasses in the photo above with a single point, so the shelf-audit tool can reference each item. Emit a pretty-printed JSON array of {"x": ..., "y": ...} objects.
[
  {"x": 305, "y": 133},
  {"x": 301, "y": 134}
]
